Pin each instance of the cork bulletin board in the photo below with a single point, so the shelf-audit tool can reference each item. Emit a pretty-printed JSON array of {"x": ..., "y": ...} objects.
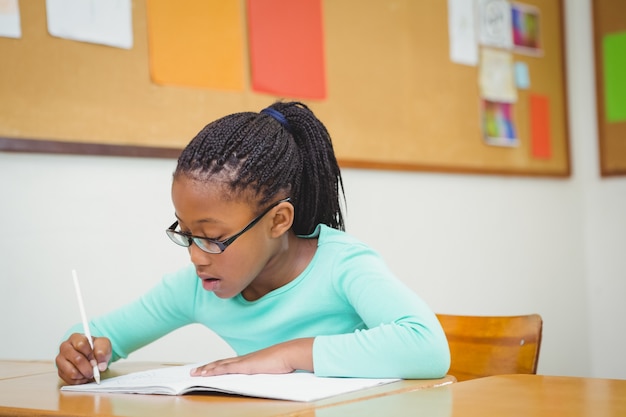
[
  {"x": 394, "y": 100},
  {"x": 609, "y": 19}
]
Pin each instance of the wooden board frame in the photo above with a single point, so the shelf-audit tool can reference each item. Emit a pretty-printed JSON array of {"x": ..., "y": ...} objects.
[
  {"x": 387, "y": 108},
  {"x": 608, "y": 17}
]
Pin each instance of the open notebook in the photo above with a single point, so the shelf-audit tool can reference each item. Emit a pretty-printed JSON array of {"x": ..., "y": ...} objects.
[{"x": 175, "y": 380}]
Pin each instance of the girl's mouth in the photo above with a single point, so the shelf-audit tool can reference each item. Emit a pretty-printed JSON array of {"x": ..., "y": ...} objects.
[{"x": 210, "y": 284}]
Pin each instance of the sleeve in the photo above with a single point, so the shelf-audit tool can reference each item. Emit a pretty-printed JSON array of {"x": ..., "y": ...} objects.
[
  {"x": 167, "y": 306},
  {"x": 403, "y": 337}
]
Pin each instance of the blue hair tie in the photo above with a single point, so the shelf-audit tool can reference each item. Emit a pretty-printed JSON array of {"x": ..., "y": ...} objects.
[{"x": 280, "y": 118}]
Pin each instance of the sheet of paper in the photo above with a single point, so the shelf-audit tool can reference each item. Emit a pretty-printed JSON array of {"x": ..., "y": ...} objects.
[
  {"x": 106, "y": 22},
  {"x": 525, "y": 21},
  {"x": 494, "y": 23},
  {"x": 498, "y": 125},
  {"x": 462, "y": 32},
  {"x": 540, "y": 138},
  {"x": 197, "y": 43},
  {"x": 299, "y": 386},
  {"x": 497, "y": 81},
  {"x": 614, "y": 74},
  {"x": 522, "y": 75},
  {"x": 287, "y": 48},
  {"x": 10, "y": 19}
]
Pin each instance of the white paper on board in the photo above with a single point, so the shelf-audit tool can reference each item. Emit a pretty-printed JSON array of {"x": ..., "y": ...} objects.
[
  {"x": 106, "y": 22},
  {"x": 462, "y": 32},
  {"x": 10, "y": 19},
  {"x": 495, "y": 23}
]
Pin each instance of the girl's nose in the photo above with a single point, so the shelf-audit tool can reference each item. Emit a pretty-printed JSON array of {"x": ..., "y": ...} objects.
[{"x": 198, "y": 256}]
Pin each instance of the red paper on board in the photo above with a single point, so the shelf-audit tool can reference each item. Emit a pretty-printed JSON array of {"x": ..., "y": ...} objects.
[
  {"x": 287, "y": 48},
  {"x": 540, "y": 139}
]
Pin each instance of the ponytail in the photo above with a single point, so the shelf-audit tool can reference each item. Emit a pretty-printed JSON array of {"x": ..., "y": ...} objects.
[{"x": 283, "y": 151}]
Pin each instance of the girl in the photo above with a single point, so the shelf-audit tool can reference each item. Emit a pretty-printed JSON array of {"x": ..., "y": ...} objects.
[{"x": 257, "y": 205}]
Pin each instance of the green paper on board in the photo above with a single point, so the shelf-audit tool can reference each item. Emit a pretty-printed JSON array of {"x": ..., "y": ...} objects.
[{"x": 614, "y": 63}]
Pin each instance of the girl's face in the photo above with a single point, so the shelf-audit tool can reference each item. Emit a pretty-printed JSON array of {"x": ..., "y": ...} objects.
[{"x": 245, "y": 265}]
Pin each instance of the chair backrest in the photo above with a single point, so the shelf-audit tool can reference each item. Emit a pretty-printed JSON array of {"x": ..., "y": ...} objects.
[{"x": 492, "y": 345}]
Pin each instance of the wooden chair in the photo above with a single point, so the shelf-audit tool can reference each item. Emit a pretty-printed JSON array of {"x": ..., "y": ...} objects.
[{"x": 484, "y": 345}]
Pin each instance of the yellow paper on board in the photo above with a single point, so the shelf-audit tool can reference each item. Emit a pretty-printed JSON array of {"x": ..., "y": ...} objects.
[
  {"x": 196, "y": 43},
  {"x": 496, "y": 76}
]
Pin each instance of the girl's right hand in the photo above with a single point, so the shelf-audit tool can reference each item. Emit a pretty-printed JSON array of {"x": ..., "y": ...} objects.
[{"x": 76, "y": 359}]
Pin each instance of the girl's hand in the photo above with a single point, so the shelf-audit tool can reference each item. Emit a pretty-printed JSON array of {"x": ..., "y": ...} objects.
[
  {"x": 282, "y": 358},
  {"x": 76, "y": 359}
]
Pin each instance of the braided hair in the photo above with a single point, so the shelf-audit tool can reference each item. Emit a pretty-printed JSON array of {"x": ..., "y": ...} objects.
[{"x": 283, "y": 149}]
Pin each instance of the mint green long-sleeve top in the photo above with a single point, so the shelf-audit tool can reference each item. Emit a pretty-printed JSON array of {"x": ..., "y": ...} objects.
[{"x": 366, "y": 323}]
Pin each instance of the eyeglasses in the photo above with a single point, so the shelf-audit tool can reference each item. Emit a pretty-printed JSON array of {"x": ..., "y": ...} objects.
[{"x": 211, "y": 245}]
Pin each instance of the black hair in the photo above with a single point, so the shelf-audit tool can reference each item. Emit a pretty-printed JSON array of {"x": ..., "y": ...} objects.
[{"x": 283, "y": 151}]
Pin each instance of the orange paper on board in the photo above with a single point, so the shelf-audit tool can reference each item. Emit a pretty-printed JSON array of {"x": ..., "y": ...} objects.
[
  {"x": 287, "y": 48},
  {"x": 196, "y": 43},
  {"x": 540, "y": 127}
]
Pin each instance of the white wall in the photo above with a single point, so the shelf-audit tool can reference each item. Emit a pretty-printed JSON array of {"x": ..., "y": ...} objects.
[
  {"x": 603, "y": 205},
  {"x": 467, "y": 244}
]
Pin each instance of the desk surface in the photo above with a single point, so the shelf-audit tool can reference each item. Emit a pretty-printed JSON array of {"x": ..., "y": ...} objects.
[
  {"x": 13, "y": 369},
  {"x": 505, "y": 395},
  {"x": 39, "y": 394}
]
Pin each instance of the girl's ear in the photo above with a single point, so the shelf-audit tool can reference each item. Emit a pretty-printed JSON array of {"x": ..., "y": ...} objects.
[{"x": 282, "y": 219}]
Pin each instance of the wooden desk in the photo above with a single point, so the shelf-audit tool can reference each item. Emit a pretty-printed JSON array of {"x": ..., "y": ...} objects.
[
  {"x": 13, "y": 369},
  {"x": 507, "y": 395},
  {"x": 39, "y": 395}
]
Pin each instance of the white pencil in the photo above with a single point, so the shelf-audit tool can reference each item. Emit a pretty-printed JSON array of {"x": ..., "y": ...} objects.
[{"x": 96, "y": 371}]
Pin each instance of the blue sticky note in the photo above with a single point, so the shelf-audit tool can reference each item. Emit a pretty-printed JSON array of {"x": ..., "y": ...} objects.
[{"x": 522, "y": 77}]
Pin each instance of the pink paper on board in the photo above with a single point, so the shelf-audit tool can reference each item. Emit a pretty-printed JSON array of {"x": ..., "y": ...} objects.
[
  {"x": 540, "y": 139},
  {"x": 287, "y": 48}
]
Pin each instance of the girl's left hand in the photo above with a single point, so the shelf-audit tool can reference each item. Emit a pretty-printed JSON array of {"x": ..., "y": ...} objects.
[{"x": 282, "y": 358}]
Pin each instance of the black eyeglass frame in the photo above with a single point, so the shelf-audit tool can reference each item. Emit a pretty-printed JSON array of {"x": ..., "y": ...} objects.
[{"x": 221, "y": 244}]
